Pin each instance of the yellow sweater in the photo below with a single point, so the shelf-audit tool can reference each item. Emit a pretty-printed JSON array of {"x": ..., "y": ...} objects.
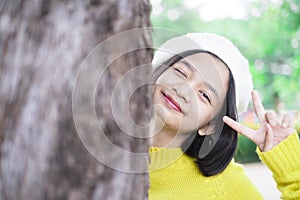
[{"x": 174, "y": 175}]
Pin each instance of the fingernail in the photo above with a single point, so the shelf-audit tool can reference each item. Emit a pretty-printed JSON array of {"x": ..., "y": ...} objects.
[
  {"x": 272, "y": 122},
  {"x": 284, "y": 125}
]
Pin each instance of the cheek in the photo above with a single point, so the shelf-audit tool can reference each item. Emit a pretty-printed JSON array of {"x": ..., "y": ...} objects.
[
  {"x": 156, "y": 94},
  {"x": 200, "y": 114},
  {"x": 163, "y": 78},
  {"x": 217, "y": 109}
]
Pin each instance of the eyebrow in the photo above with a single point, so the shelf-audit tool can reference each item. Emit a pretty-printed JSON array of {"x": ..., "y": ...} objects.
[
  {"x": 188, "y": 65},
  {"x": 209, "y": 86}
]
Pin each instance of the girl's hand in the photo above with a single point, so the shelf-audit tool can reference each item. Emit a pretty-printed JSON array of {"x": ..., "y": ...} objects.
[{"x": 271, "y": 131}]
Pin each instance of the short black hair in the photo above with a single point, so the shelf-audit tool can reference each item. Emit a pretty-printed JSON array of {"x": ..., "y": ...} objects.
[{"x": 213, "y": 152}]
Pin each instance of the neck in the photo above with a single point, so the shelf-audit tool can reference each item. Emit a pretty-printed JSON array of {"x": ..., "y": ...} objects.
[{"x": 167, "y": 138}]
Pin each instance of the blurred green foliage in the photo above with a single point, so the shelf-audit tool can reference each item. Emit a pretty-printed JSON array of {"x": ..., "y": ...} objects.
[
  {"x": 246, "y": 151},
  {"x": 271, "y": 43},
  {"x": 269, "y": 39}
]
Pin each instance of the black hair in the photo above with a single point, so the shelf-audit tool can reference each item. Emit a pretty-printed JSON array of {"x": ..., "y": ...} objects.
[{"x": 212, "y": 152}]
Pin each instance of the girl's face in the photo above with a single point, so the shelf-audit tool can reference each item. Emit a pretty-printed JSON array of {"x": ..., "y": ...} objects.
[{"x": 190, "y": 93}]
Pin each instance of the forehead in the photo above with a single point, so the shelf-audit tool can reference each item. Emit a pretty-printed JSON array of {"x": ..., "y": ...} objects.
[
  {"x": 209, "y": 68},
  {"x": 206, "y": 63}
]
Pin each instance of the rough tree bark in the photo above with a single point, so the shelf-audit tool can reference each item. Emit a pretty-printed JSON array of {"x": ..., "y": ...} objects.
[{"x": 42, "y": 43}]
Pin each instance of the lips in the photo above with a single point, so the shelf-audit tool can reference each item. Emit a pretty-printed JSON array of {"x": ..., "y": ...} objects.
[{"x": 172, "y": 102}]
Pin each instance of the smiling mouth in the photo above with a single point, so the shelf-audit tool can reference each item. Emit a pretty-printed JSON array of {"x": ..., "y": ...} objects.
[{"x": 172, "y": 102}]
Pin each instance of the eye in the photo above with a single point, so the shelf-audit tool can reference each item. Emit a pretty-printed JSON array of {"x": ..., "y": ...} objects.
[
  {"x": 206, "y": 96},
  {"x": 180, "y": 71}
]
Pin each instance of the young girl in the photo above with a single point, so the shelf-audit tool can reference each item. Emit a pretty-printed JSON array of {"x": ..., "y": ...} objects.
[{"x": 202, "y": 81}]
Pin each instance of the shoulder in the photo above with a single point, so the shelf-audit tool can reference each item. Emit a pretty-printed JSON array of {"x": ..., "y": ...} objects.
[{"x": 234, "y": 168}]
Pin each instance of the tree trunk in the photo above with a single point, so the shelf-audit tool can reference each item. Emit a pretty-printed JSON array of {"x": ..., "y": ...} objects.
[{"x": 42, "y": 46}]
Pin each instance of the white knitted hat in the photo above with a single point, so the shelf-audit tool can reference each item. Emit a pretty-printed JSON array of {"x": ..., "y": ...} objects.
[{"x": 221, "y": 47}]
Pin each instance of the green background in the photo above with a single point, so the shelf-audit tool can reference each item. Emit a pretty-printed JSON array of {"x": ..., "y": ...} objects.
[{"x": 269, "y": 38}]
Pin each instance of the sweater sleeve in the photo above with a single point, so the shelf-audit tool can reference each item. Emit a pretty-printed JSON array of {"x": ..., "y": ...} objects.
[{"x": 284, "y": 162}]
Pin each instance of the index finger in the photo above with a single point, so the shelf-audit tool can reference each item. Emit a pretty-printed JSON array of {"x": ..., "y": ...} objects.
[
  {"x": 258, "y": 107},
  {"x": 238, "y": 127}
]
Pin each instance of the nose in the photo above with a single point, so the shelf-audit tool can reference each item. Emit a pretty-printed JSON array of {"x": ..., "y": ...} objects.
[{"x": 182, "y": 91}]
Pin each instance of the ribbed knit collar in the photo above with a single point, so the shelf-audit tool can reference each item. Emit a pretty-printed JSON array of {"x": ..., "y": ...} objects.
[{"x": 169, "y": 157}]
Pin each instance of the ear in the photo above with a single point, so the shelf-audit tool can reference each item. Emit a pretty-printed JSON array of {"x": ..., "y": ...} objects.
[
  {"x": 201, "y": 132},
  {"x": 206, "y": 130}
]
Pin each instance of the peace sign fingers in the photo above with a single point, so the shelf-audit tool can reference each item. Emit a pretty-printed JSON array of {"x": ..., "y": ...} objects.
[
  {"x": 258, "y": 107},
  {"x": 262, "y": 137},
  {"x": 270, "y": 133}
]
